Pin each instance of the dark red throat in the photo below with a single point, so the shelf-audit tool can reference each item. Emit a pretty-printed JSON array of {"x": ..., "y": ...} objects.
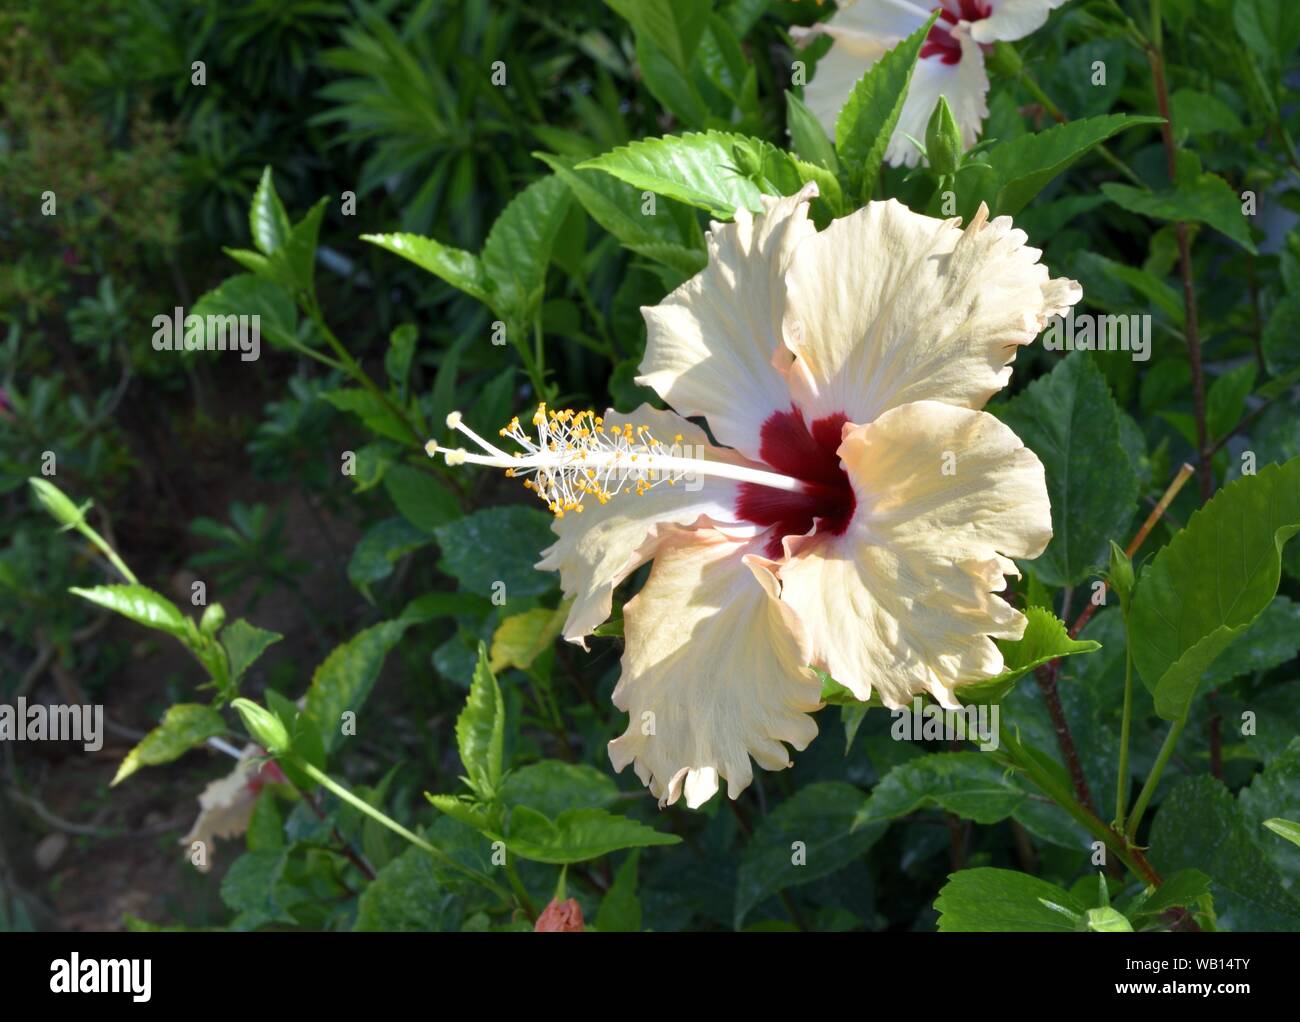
[
  {"x": 790, "y": 446},
  {"x": 939, "y": 42}
]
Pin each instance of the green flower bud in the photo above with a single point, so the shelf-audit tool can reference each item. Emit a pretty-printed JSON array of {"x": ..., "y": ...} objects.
[
  {"x": 1107, "y": 920},
  {"x": 268, "y": 730},
  {"x": 57, "y": 504},
  {"x": 213, "y": 618},
  {"x": 943, "y": 145},
  {"x": 1120, "y": 573},
  {"x": 748, "y": 161}
]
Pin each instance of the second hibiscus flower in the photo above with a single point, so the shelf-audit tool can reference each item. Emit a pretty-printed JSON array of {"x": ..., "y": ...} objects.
[
  {"x": 951, "y": 62},
  {"x": 858, "y": 512}
]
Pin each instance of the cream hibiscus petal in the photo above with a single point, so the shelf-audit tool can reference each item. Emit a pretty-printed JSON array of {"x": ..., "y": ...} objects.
[
  {"x": 599, "y": 548},
  {"x": 904, "y": 600},
  {"x": 1012, "y": 19},
  {"x": 714, "y": 671},
  {"x": 838, "y": 71},
  {"x": 710, "y": 344},
  {"x": 887, "y": 306}
]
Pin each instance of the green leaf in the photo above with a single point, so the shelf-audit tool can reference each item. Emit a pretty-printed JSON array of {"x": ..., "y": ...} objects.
[
  {"x": 1288, "y": 829},
  {"x": 344, "y": 679},
  {"x": 968, "y": 784},
  {"x": 522, "y": 638},
  {"x": 869, "y": 116},
  {"x": 143, "y": 606},
  {"x": 1183, "y": 889},
  {"x": 397, "y": 359},
  {"x": 498, "y": 545},
  {"x": 466, "y": 811},
  {"x": 576, "y": 835},
  {"x": 808, "y": 136},
  {"x": 1202, "y": 113},
  {"x": 462, "y": 270},
  {"x": 618, "y": 208},
  {"x": 1045, "y": 639},
  {"x": 1269, "y": 28},
  {"x": 247, "y": 295},
  {"x": 989, "y": 900},
  {"x": 676, "y": 92},
  {"x": 1154, "y": 290},
  {"x": 1273, "y": 639},
  {"x": 420, "y": 497},
  {"x": 1198, "y": 197},
  {"x": 1200, "y": 826},
  {"x": 384, "y": 544},
  {"x": 1281, "y": 353},
  {"x": 407, "y": 896},
  {"x": 1018, "y": 169},
  {"x": 299, "y": 252},
  {"x": 184, "y": 726},
  {"x": 518, "y": 248},
  {"x": 268, "y": 223},
  {"x": 481, "y": 728},
  {"x": 265, "y": 826},
  {"x": 695, "y": 168},
  {"x": 551, "y": 786},
  {"x": 371, "y": 409},
  {"x": 243, "y": 644},
  {"x": 806, "y": 837},
  {"x": 620, "y": 909},
  {"x": 675, "y": 26},
  {"x": 1211, "y": 581},
  {"x": 251, "y": 888},
  {"x": 1272, "y": 794},
  {"x": 1069, "y": 419}
]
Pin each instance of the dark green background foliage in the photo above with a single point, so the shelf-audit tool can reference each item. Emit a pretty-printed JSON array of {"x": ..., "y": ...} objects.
[{"x": 351, "y": 172}]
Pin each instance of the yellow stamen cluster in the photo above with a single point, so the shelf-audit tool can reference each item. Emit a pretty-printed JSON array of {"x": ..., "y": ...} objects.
[{"x": 575, "y": 456}]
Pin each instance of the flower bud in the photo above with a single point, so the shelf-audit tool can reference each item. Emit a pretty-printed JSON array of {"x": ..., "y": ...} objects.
[
  {"x": 1120, "y": 573},
  {"x": 943, "y": 145},
  {"x": 213, "y": 618},
  {"x": 560, "y": 917},
  {"x": 264, "y": 726},
  {"x": 1108, "y": 920},
  {"x": 57, "y": 503}
]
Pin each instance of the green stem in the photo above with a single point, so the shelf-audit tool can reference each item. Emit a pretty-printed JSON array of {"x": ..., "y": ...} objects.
[
  {"x": 521, "y": 892},
  {"x": 102, "y": 545},
  {"x": 1153, "y": 780},
  {"x": 539, "y": 358},
  {"x": 1062, "y": 796},
  {"x": 327, "y": 782},
  {"x": 354, "y": 369},
  {"x": 1121, "y": 792}
]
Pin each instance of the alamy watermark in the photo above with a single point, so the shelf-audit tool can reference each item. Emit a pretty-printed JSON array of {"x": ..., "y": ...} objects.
[
  {"x": 933, "y": 723},
  {"x": 58, "y": 723},
  {"x": 1088, "y": 332},
  {"x": 181, "y": 332}
]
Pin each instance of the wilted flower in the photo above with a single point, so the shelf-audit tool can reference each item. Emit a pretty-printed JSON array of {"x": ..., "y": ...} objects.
[
  {"x": 951, "y": 62},
  {"x": 226, "y": 804},
  {"x": 861, "y": 515}
]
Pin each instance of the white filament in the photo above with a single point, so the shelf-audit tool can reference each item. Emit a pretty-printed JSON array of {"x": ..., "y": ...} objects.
[{"x": 574, "y": 457}]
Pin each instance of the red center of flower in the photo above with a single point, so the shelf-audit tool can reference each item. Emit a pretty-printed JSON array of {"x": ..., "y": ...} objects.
[
  {"x": 792, "y": 447},
  {"x": 939, "y": 42}
]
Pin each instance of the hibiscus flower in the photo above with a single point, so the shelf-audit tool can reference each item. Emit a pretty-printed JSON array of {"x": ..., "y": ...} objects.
[
  {"x": 852, "y": 510},
  {"x": 951, "y": 63}
]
